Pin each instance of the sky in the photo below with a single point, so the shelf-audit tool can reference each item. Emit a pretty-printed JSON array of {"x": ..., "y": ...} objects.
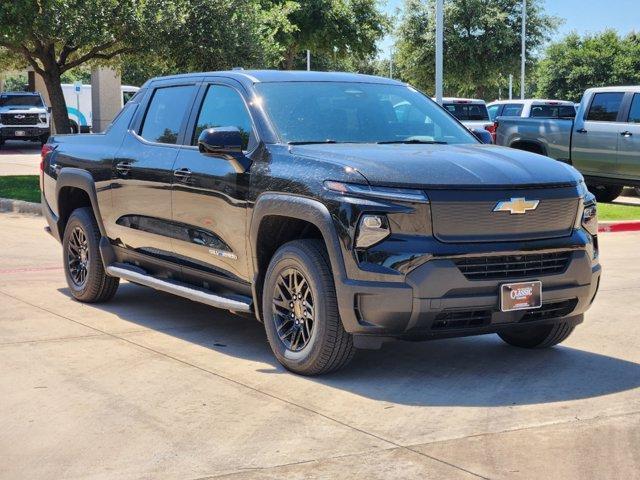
[{"x": 583, "y": 16}]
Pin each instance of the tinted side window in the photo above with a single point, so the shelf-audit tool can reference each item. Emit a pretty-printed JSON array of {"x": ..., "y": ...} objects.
[
  {"x": 223, "y": 107},
  {"x": 165, "y": 114},
  {"x": 605, "y": 107},
  {"x": 634, "y": 113},
  {"x": 512, "y": 110}
]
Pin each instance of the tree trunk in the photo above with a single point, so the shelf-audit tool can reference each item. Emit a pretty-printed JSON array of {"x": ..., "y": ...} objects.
[
  {"x": 60, "y": 116},
  {"x": 289, "y": 58}
]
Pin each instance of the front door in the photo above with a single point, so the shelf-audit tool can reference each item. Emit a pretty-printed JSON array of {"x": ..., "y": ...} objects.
[
  {"x": 629, "y": 142},
  {"x": 143, "y": 172},
  {"x": 594, "y": 147},
  {"x": 209, "y": 193}
]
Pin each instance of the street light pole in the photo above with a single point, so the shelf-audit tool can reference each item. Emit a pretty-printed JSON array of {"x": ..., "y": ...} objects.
[
  {"x": 439, "y": 48},
  {"x": 524, "y": 47},
  {"x": 308, "y": 60}
]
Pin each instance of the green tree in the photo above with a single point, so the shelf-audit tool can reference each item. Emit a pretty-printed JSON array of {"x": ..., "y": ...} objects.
[
  {"x": 56, "y": 36},
  {"x": 332, "y": 29},
  {"x": 481, "y": 43},
  {"x": 576, "y": 63}
]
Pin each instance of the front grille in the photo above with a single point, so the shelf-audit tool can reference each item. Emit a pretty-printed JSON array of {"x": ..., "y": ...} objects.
[
  {"x": 513, "y": 266},
  {"x": 451, "y": 320},
  {"x": 12, "y": 119},
  {"x": 550, "y": 310},
  {"x": 470, "y": 216}
]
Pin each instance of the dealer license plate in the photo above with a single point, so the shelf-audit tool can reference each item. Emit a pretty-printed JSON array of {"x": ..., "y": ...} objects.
[
  {"x": 19, "y": 133},
  {"x": 520, "y": 296}
]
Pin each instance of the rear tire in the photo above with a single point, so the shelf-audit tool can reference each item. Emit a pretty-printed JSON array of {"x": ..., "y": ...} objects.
[
  {"x": 538, "y": 336},
  {"x": 83, "y": 266},
  {"x": 299, "y": 296},
  {"x": 605, "y": 193}
]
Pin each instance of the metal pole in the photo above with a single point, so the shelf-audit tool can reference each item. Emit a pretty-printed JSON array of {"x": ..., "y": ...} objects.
[
  {"x": 439, "y": 48},
  {"x": 308, "y": 60},
  {"x": 391, "y": 63},
  {"x": 524, "y": 47},
  {"x": 510, "y": 87}
]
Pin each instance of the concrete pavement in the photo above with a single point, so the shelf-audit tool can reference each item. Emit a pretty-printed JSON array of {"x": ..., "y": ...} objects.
[{"x": 153, "y": 386}]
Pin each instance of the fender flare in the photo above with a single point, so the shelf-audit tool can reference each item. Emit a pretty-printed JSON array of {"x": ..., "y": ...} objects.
[
  {"x": 81, "y": 179},
  {"x": 301, "y": 208},
  {"x": 542, "y": 145}
]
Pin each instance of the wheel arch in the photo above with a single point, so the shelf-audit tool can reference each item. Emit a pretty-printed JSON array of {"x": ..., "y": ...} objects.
[
  {"x": 75, "y": 188},
  {"x": 278, "y": 218},
  {"x": 532, "y": 146}
]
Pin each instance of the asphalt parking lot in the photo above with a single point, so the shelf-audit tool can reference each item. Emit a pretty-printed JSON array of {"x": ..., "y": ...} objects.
[{"x": 153, "y": 386}]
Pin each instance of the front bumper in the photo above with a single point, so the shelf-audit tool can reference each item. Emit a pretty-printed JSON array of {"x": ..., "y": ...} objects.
[
  {"x": 437, "y": 300},
  {"x": 29, "y": 132}
]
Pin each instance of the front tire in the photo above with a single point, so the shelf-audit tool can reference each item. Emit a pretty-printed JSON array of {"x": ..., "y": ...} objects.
[
  {"x": 538, "y": 336},
  {"x": 83, "y": 266},
  {"x": 300, "y": 310},
  {"x": 605, "y": 193}
]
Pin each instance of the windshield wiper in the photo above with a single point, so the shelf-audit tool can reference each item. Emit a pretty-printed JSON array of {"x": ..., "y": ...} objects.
[
  {"x": 415, "y": 141},
  {"x": 311, "y": 142}
]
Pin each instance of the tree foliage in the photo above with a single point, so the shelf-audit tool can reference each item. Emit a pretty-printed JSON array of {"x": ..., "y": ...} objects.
[
  {"x": 481, "y": 42},
  {"x": 576, "y": 63}
]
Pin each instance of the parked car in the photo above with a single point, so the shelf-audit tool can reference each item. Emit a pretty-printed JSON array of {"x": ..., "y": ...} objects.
[
  {"x": 531, "y": 108},
  {"x": 603, "y": 141},
  {"x": 23, "y": 116},
  {"x": 471, "y": 112},
  {"x": 340, "y": 221},
  {"x": 79, "y": 105}
]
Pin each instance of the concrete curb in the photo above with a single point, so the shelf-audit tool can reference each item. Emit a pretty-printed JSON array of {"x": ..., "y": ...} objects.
[
  {"x": 623, "y": 226},
  {"x": 20, "y": 206}
]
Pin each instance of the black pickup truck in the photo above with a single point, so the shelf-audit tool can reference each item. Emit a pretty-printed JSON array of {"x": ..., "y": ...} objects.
[{"x": 343, "y": 210}]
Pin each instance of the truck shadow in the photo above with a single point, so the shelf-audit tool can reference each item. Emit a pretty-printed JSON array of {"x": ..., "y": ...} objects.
[{"x": 474, "y": 371}]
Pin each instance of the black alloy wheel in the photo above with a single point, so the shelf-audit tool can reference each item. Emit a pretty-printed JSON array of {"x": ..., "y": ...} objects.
[
  {"x": 293, "y": 309},
  {"x": 78, "y": 257}
]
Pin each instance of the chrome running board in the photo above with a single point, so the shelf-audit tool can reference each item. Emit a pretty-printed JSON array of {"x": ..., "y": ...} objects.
[{"x": 192, "y": 293}]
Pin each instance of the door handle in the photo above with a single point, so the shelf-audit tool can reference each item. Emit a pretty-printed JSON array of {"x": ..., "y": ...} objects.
[
  {"x": 626, "y": 134},
  {"x": 582, "y": 130},
  {"x": 182, "y": 174},
  {"x": 123, "y": 168}
]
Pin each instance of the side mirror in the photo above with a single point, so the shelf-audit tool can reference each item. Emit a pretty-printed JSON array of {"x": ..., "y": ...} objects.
[
  {"x": 220, "y": 141},
  {"x": 483, "y": 135},
  {"x": 49, "y": 109}
]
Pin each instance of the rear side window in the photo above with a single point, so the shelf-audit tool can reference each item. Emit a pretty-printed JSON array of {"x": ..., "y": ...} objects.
[
  {"x": 223, "y": 107},
  {"x": 467, "y": 111},
  {"x": 605, "y": 107},
  {"x": 512, "y": 110},
  {"x": 634, "y": 113},
  {"x": 166, "y": 113}
]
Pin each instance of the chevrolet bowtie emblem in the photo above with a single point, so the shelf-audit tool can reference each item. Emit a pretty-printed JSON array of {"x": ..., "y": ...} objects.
[{"x": 516, "y": 206}]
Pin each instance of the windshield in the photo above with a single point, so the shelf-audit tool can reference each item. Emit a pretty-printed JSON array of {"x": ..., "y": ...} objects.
[
  {"x": 20, "y": 101},
  {"x": 468, "y": 111},
  {"x": 346, "y": 112}
]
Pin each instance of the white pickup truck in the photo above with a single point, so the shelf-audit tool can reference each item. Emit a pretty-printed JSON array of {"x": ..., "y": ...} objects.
[
  {"x": 23, "y": 116},
  {"x": 533, "y": 107},
  {"x": 603, "y": 142},
  {"x": 471, "y": 112}
]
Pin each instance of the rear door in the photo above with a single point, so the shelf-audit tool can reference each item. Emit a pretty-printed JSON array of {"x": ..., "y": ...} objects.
[
  {"x": 143, "y": 171},
  {"x": 594, "y": 143},
  {"x": 629, "y": 141},
  {"x": 209, "y": 194}
]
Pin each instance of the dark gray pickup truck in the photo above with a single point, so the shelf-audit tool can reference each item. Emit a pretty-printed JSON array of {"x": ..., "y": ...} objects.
[
  {"x": 341, "y": 210},
  {"x": 603, "y": 141}
]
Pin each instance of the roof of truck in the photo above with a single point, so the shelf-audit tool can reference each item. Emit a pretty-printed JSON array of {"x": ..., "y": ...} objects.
[
  {"x": 532, "y": 100},
  {"x": 473, "y": 101},
  {"x": 260, "y": 76},
  {"x": 628, "y": 88}
]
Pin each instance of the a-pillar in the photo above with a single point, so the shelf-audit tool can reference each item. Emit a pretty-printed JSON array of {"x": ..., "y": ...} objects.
[{"x": 106, "y": 97}]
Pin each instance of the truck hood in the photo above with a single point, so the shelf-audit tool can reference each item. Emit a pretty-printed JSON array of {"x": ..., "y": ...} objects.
[{"x": 443, "y": 166}]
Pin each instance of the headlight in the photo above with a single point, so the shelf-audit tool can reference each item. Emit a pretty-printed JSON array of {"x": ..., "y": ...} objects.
[
  {"x": 387, "y": 193},
  {"x": 371, "y": 230},
  {"x": 43, "y": 118},
  {"x": 590, "y": 214}
]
